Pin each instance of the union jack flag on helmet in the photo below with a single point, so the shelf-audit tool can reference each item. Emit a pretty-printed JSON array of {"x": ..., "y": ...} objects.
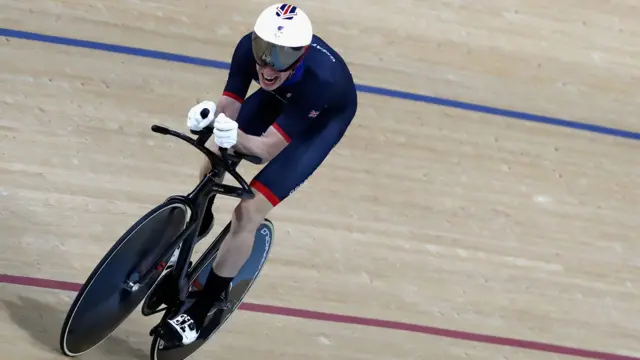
[{"x": 286, "y": 11}]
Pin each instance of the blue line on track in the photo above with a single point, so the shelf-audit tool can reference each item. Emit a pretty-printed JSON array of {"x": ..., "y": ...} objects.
[{"x": 161, "y": 55}]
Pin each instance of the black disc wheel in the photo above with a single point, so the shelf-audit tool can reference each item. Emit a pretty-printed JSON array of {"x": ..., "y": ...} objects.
[{"x": 239, "y": 288}]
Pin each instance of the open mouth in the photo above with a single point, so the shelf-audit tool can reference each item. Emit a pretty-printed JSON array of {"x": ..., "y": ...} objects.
[{"x": 269, "y": 80}]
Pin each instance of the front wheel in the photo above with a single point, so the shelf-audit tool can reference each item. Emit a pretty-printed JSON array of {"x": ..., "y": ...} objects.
[
  {"x": 239, "y": 288},
  {"x": 107, "y": 297}
]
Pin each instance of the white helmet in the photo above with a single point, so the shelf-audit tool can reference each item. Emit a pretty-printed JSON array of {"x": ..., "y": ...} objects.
[{"x": 281, "y": 36}]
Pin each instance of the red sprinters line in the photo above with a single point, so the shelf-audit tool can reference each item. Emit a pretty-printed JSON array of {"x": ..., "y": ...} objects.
[{"x": 346, "y": 319}]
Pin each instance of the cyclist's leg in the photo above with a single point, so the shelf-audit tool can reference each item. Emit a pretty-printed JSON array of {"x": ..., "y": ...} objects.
[
  {"x": 274, "y": 183},
  {"x": 256, "y": 114},
  {"x": 298, "y": 161}
]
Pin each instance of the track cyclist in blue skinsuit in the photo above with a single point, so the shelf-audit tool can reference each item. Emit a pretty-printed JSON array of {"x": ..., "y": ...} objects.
[{"x": 305, "y": 103}]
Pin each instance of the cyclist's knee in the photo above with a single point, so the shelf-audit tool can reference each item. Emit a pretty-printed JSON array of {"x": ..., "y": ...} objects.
[{"x": 250, "y": 213}]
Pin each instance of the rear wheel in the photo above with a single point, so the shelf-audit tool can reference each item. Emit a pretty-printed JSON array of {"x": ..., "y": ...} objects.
[
  {"x": 111, "y": 292},
  {"x": 239, "y": 288}
]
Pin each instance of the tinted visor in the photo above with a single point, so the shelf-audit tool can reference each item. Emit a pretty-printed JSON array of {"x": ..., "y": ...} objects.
[{"x": 281, "y": 58}]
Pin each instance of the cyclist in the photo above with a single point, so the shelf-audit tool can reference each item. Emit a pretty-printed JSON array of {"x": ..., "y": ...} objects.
[{"x": 306, "y": 101}]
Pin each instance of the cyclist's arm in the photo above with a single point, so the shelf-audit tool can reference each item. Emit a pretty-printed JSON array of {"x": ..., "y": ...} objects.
[
  {"x": 229, "y": 106},
  {"x": 266, "y": 146},
  {"x": 293, "y": 121}
]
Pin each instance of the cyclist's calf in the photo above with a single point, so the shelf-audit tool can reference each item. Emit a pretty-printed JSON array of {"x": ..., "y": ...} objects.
[{"x": 236, "y": 249}]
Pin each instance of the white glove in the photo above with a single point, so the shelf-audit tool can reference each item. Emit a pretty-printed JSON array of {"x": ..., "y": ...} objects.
[
  {"x": 226, "y": 131},
  {"x": 195, "y": 119}
]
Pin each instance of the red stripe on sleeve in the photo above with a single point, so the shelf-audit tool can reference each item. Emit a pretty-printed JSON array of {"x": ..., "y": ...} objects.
[{"x": 233, "y": 96}]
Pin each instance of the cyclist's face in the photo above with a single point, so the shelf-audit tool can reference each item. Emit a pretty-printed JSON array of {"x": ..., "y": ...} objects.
[{"x": 270, "y": 78}]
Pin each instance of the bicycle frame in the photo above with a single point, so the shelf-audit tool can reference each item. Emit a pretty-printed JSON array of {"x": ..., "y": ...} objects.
[{"x": 196, "y": 201}]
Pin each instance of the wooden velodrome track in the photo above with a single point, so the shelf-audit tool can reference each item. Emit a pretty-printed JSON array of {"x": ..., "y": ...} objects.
[{"x": 500, "y": 225}]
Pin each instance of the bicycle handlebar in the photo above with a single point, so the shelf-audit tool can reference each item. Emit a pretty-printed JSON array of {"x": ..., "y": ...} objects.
[{"x": 214, "y": 159}]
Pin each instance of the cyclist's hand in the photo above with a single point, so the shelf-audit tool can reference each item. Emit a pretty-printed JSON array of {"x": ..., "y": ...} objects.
[
  {"x": 201, "y": 115},
  {"x": 226, "y": 131}
]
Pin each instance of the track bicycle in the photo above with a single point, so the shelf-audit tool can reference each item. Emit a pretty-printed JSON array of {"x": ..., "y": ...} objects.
[{"x": 130, "y": 271}]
